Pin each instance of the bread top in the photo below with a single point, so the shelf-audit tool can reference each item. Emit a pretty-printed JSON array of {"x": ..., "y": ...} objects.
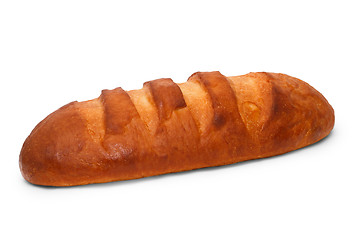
[{"x": 165, "y": 127}]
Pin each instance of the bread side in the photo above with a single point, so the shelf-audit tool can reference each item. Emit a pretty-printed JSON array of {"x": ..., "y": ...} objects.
[{"x": 164, "y": 127}]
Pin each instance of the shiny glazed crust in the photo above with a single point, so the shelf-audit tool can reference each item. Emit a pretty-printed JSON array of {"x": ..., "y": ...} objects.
[{"x": 165, "y": 127}]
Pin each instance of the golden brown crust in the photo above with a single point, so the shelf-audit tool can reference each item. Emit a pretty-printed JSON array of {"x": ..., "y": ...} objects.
[
  {"x": 222, "y": 134},
  {"x": 167, "y": 97},
  {"x": 209, "y": 120},
  {"x": 118, "y": 110}
]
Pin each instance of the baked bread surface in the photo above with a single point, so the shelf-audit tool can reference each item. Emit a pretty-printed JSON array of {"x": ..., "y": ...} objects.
[{"x": 165, "y": 127}]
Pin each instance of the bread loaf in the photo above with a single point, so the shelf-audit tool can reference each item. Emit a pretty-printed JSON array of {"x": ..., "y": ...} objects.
[{"x": 165, "y": 127}]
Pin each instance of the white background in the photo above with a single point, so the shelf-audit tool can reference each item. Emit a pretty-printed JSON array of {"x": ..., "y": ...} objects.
[{"x": 55, "y": 52}]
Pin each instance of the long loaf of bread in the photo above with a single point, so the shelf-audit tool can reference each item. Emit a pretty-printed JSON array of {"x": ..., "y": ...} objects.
[{"x": 165, "y": 127}]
